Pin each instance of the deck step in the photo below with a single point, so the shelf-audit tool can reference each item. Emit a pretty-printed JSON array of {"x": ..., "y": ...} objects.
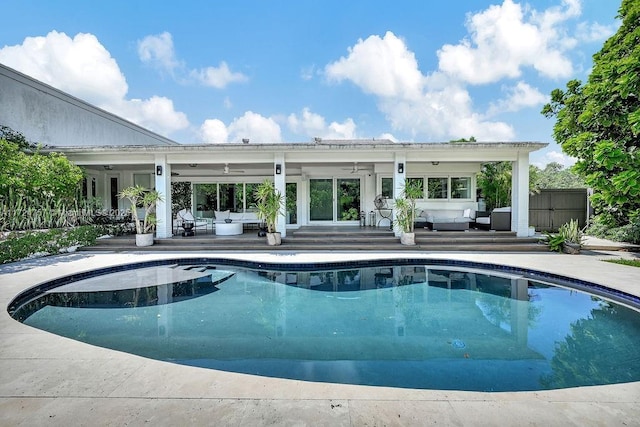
[{"x": 334, "y": 239}]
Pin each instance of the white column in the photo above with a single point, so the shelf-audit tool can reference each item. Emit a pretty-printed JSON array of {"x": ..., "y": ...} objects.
[
  {"x": 164, "y": 228},
  {"x": 280, "y": 183},
  {"x": 399, "y": 176},
  {"x": 520, "y": 195}
]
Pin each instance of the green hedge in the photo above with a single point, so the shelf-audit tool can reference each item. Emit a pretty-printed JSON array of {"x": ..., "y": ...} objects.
[{"x": 19, "y": 246}]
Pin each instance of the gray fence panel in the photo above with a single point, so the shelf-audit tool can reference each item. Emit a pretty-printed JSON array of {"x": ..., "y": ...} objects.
[{"x": 551, "y": 208}]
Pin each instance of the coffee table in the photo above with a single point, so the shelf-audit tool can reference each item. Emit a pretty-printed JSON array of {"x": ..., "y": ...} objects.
[{"x": 228, "y": 228}]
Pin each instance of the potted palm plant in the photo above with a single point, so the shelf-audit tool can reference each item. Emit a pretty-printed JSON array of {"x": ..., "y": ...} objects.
[
  {"x": 269, "y": 203},
  {"x": 142, "y": 198},
  {"x": 405, "y": 211}
]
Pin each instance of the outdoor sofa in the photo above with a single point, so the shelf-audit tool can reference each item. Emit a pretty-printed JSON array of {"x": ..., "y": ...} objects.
[
  {"x": 241, "y": 217},
  {"x": 445, "y": 219}
]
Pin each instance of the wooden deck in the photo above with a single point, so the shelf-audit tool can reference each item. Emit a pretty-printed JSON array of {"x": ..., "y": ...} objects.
[{"x": 335, "y": 238}]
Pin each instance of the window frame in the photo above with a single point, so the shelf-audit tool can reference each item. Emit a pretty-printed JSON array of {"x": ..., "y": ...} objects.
[{"x": 468, "y": 187}]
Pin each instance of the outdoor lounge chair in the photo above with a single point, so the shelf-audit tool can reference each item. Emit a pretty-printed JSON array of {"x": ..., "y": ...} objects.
[
  {"x": 185, "y": 216},
  {"x": 498, "y": 220}
]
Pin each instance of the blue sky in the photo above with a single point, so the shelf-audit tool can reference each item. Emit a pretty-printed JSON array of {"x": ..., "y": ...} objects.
[{"x": 288, "y": 71}]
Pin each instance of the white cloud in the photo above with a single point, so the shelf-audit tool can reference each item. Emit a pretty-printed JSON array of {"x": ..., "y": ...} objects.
[
  {"x": 159, "y": 52},
  {"x": 380, "y": 66},
  {"x": 344, "y": 130},
  {"x": 218, "y": 77},
  {"x": 255, "y": 127},
  {"x": 444, "y": 114},
  {"x": 156, "y": 113},
  {"x": 554, "y": 157},
  {"x": 79, "y": 65},
  {"x": 307, "y": 73},
  {"x": 214, "y": 131},
  {"x": 388, "y": 136},
  {"x": 309, "y": 124},
  {"x": 522, "y": 95},
  {"x": 314, "y": 125},
  {"x": 504, "y": 39},
  {"x": 82, "y": 67},
  {"x": 251, "y": 125},
  {"x": 593, "y": 32},
  {"x": 433, "y": 105}
]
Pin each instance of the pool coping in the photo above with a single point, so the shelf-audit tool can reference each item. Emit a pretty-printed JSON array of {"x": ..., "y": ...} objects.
[{"x": 42, "y": 374}]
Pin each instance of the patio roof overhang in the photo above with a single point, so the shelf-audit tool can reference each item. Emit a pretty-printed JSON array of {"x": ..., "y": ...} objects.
[{"x": 327, "y": 152}]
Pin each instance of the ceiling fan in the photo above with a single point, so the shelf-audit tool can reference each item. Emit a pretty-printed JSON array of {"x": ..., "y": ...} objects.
[
  {"x": 226, "y": 170},
  {"x": 355, "y": 168}
]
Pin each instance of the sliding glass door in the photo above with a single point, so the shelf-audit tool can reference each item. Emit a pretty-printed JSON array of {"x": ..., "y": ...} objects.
[
  {"x": 334, "y": 199},
  {"x": 321, "y": 199}
]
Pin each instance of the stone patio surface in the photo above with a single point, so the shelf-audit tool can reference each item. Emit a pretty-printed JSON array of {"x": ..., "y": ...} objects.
[{"x": 46, "y": 379}]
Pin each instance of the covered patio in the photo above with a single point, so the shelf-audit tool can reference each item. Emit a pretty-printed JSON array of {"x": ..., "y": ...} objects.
[{"x": 324, "y": 182}]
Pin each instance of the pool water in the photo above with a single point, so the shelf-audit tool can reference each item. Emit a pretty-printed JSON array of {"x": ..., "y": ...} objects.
[{"x": 415, "y": 326}]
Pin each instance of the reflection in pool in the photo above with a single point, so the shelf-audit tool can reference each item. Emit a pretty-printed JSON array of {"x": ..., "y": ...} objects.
[{"x": 416, "y": 325}]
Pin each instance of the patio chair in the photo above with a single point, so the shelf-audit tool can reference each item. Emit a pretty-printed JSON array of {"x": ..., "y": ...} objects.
[
  {"x": 184, "y": 216},
  {"x": 498, "y": 220}
]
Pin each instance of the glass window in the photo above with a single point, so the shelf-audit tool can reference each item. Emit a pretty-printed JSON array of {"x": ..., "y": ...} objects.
[
  {"x": 142, "y": 179},
  {"x": 232, "y": 197},
  {"x": 250, "y": 198},
  {"x": 348, "y": 199},
  {"x": 461, "y": 188},
  {"x": 292, "y": 203},
  {"x": 387, "y": 188},
  {"x": 437, "y": 188},
  {"x": 85, "y": 193},
  {"x": 417, "y": 182},
  {"x": 113, "y": 192},
  {"x": 205, "y": 199},
  {"x": 321, "y": 199}
]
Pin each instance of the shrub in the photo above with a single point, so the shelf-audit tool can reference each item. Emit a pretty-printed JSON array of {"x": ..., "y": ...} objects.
[
  {"x": 567, "y": 233},
  {"x": 27, "y": 214},
  {"x": 554, "y": 241},
  {"x": 600, "y": 227},
  {"x": 19, "y": 246},
  {"x": 571, "y": 232}
]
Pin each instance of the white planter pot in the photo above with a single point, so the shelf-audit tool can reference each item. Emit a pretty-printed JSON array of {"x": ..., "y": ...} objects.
[
  {"x": 408, "y": 239},
  {"x": 274, "y": 239},
  {"x": 144, "y": 239}
]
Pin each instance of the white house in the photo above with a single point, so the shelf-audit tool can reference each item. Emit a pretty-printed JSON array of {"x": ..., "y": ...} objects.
[{"x": 326, "y": 182}]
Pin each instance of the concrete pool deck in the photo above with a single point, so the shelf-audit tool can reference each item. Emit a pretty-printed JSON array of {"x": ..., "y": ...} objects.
[{"x": 46, "y": 379}]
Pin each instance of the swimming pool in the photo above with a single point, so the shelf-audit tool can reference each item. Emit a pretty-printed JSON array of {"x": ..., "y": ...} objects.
[{"x": 414, "y": 323}]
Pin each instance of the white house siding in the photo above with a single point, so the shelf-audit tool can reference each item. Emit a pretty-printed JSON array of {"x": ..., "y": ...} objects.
[{"x": 49, "y": 116}]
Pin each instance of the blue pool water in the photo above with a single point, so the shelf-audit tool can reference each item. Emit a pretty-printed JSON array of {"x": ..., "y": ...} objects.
[{"x": 413, "y": 325}]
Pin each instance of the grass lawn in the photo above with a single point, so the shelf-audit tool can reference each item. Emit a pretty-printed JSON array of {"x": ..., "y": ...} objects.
[{"x": 631, "y": 262}]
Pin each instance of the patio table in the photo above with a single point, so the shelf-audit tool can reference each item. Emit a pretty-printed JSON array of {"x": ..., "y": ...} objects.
[{"x": 228, "y": 229}]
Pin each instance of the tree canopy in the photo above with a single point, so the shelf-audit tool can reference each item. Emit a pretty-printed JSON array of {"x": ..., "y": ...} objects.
[
  {"x": 494, "y": 181},
  {"x": 599, "y": 122},
  {"x": 554, "y": 175},
  {"x": 35, "y": 176}
]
